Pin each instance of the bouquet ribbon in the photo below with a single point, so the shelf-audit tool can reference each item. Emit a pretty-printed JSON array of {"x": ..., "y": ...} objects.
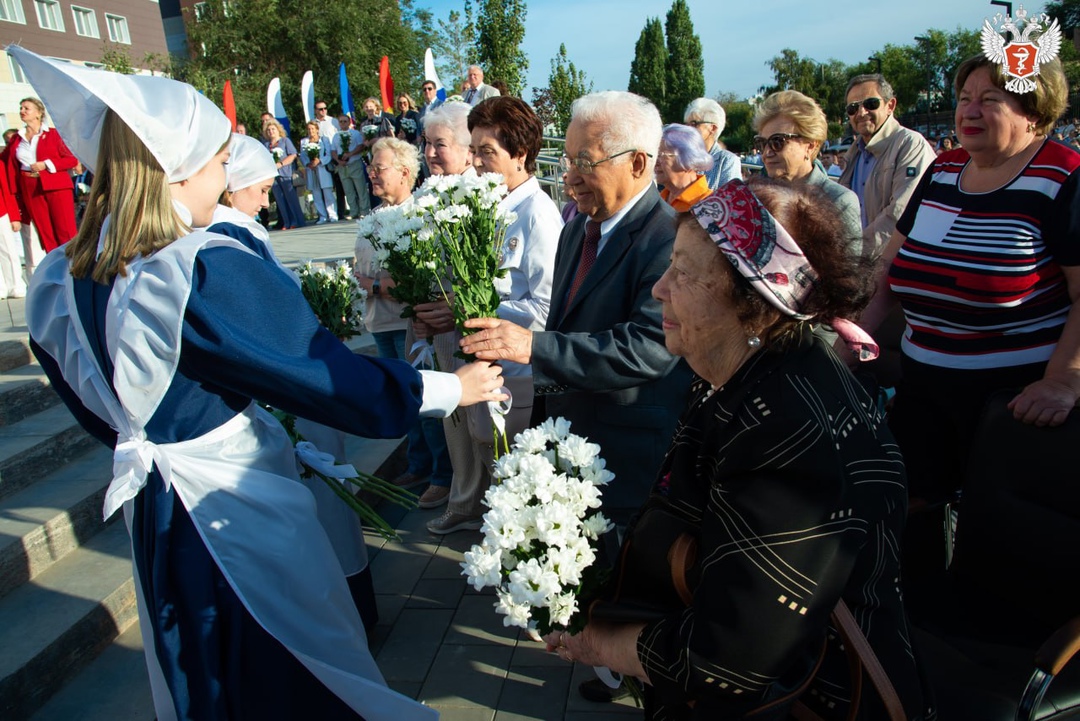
[
  {"x": 324, "y": 463},
  {"x": 611, "y": 680},
  {"x": 426, "y": 354},
  {"x": 500, "y": 409}
]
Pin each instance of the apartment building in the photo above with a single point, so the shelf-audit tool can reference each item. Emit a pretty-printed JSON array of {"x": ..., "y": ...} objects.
[{"x": 78, "y": 31}]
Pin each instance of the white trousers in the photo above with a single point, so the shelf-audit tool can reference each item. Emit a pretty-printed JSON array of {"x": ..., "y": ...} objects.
[{"x": 11, "y": 277}]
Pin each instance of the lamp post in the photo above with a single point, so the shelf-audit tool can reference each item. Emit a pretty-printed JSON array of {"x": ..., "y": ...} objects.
[
  {"x": 876, "y": 59},
  {"x": 925, "y": 42}
]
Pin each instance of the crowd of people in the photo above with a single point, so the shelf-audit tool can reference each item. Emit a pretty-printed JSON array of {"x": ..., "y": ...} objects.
[{"x": 708, "y": 332}]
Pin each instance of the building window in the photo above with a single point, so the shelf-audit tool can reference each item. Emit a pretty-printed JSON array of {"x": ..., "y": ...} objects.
[
  {"x": 118, "y": 29},
  {"x": 85, "y": 22},
  {"x": 11, "y": 10},
  {"x": 16, "y": 70},
  {"x": 48, "y": 15}
]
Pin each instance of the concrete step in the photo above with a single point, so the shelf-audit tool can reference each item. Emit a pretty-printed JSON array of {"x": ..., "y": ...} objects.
[
  {"x": 14, "y": 350},
  {"x": 42, "y": 523},
  {"x": 53, "y": 626},
  {"x": 111, "y": 687},
  {"x": 24, "y": 391},
  {"x": 38, "y": 445}
]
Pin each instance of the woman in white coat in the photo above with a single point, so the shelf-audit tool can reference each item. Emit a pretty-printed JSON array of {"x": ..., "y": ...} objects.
[{"x": 315, "y": 155}]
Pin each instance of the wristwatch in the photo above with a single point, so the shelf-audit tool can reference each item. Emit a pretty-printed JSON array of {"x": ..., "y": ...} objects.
[{"x": 376, "y": 287}]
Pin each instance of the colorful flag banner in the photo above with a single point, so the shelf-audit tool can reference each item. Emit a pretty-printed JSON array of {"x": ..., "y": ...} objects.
[
  {"x": 307, "y": 96},
  {"x": 386, "y": 85},
  {"x": 346, "y": 93},
  {"x": 431, "y": 75},
  {"x": 228, "y": 105},
  {"x": 274, "y": 106}
]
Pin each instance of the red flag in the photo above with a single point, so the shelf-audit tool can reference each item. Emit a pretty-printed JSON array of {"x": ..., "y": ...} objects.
[
  {"x": 229, "y": 104},
  {"x": 386, "y": 85}
]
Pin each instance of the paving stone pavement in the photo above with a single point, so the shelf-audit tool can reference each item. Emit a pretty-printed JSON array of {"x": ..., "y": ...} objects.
[{"x": 437, "y": 639}]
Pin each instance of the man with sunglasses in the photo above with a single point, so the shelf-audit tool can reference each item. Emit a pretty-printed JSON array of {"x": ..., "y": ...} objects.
[{"x": 885, "y": 162}]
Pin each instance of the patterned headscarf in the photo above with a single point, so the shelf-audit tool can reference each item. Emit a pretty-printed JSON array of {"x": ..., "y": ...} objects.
[{"x": 766, "y": 254}]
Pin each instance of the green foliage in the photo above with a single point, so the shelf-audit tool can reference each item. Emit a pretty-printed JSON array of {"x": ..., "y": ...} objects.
[
  {"x": 685, "y": 72},
  {"x": 500, "y": 26},
  {"x": 1066, "y": 12},
  {"x": 454, "y": 47},
  {"x": 565, "y": 85},
  {"x": 928, "y": 63},
  {"x": 649, "y": 67},
  {"x": 252, "y": 41},
  {"x": 116, "y": 59},
  {"x": 738, "y": 133}
]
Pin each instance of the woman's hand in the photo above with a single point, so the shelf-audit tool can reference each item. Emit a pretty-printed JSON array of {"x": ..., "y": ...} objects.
[
  {"x": 436, "y": 316},
  {"x": 16, "y": 226},
  {"x": 480, "y": 383},
  {"x": 601, "y": 644},
  {"x": 1046, "y": 402},
  {"x": 39, "y": 167}
]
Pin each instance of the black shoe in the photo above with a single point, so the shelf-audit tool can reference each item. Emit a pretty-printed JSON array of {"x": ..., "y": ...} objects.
[{"x": 599, "y": 692}]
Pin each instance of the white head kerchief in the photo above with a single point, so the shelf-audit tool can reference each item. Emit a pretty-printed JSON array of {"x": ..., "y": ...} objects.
[
  {"x": 180, "y": 127},
  {"x": 249, "y": 163}
]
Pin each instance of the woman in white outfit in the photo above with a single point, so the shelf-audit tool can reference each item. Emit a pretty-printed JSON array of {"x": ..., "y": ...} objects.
[
  {"x": 319, "y": 180},
  {"x": 160, "y": 340}
]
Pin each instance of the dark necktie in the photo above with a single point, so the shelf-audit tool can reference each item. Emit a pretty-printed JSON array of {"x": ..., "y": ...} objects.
[
  {"x": 469, "y": 95},
  {"x": 588, "y": 257}
]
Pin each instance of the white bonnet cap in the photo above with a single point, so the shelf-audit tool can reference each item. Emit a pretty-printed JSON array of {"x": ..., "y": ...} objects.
[
  {"x": 249, "y": 163},
  {"x": 182, "y": 128}
]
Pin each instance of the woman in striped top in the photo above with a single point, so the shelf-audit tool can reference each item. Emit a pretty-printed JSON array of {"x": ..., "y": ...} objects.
[{"x": 986, "y": 265}]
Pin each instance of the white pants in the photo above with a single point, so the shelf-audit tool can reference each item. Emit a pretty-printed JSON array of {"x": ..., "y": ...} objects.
[
  {"x": 33, "y": 253},
  {"x": 325, "y": 203},
  {"x": 11, "y": 277}
]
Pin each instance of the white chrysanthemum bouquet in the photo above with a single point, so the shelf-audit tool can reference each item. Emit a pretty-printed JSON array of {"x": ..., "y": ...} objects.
[
  {"x": 464, "y": 212},
  {"x": 542, "y": 533},
  {"x": 311, "y": 148},
  {"x": 336, "y": 298}
]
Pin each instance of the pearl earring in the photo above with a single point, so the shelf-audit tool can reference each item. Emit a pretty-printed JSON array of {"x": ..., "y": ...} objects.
[
  {"x": 1031, "y": 127},
  {"x": 754, "y": 342}
]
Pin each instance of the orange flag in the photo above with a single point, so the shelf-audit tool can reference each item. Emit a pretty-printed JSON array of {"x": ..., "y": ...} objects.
[
  {"x": 229, "y": 104},
  {"x": 386, "y": 85}
]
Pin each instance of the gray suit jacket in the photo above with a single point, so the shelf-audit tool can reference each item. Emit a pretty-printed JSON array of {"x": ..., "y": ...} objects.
[
  {"x": 601, "y": 363},
  {"x": 483, "y": 92}
]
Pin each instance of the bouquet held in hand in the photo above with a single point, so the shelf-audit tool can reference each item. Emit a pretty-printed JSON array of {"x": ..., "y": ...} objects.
[
  {"x": 470, "y": 226},
  {"x": 312, "y": 149},
  {"x": 542, "y": 533},
  {"x": 335, "y": 297}
]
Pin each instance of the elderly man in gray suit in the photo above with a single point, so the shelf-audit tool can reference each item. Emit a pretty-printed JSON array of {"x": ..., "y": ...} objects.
[
  {"x": 601, "y": 360},
  {"x": 477, "y": 90}
]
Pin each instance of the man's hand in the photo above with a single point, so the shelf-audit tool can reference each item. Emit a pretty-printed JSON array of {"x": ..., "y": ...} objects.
[
  {"x": 436, "y": 316},
  {"x": 498, "y": 340}
]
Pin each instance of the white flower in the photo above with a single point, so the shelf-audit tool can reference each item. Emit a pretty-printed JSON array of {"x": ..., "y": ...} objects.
[
  {"x": 482, "y": 567},
  {"x": 576, "y": 452},
  {"x": 517, "y": 613},
  {"x": 596, "y": 526}
]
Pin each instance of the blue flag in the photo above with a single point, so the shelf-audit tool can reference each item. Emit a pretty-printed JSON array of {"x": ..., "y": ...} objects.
[{"x": 346, "y": 93}]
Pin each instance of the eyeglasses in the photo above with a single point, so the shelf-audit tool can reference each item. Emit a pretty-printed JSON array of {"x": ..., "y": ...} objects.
[
  {"x": 776, "y": 142},
  {"x": 868, "y": 103},
  {"x": 375, "y": 170},
  {"x": 320, "y": 108},
  {"x": 696, "y": 123},
  {"x": 585, "y": 166}
]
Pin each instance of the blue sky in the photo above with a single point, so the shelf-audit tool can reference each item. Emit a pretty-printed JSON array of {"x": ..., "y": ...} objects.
[{"x": 738, "y": 36}]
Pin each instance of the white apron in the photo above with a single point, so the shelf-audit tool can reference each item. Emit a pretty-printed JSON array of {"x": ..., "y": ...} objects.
[{"x": 238, "y": 482}]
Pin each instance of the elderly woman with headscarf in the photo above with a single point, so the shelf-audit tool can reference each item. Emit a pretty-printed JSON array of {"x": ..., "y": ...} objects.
[
  {"x": 160, "y": 340},
  {"x": 681, "y": 166},
  {"x": 791, "y": 130},
  {"x": 709, "y": 118},
  {"x": 782, "y": 482}
]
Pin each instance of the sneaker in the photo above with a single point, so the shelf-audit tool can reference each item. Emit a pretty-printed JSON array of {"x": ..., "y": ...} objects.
[
  {"x": 434, "y": 497},
  {"x": 409, "y": 480},
  {"x": 450, "y": 522}
]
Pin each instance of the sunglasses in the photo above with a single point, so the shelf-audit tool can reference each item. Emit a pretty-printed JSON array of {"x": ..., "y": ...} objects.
[
  {"x": 869, "y": 104},
  {"x": 775, "y": 142}
]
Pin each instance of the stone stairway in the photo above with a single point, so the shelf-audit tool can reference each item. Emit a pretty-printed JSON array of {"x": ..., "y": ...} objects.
[
  {"x": 68, "y": 620},
  {"x": 66, "y": 591}
]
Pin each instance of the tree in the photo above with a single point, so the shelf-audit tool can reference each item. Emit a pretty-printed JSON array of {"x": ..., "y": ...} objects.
[
  {"x": 685, "y": 71},
  {"x": 115, "y": 59},
  {"x": 500, "y": 26},
  {"x": 649, "y": 66},
  {"x": 738, "y": 132},
  {"x": 234, "y": 41},
  {"x": 565, "y": 85},
  {"x": 454, "y": 47}
]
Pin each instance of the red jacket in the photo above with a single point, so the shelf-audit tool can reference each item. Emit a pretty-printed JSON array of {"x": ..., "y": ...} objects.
[{"x": 50, "y": 146}]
